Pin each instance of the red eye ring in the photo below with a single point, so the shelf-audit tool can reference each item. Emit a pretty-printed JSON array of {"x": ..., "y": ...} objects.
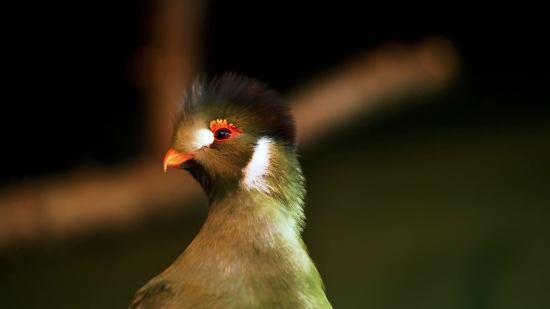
[{"x": 223, "y": 131}]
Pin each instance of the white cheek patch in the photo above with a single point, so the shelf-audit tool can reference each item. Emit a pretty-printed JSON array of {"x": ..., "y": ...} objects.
[
  {"x": 203, "y": 137},
  {"x": 258, "y": 166}
]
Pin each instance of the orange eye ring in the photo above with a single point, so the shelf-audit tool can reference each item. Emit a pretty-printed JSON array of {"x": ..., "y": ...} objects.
[{"x": 223, "y": 131}]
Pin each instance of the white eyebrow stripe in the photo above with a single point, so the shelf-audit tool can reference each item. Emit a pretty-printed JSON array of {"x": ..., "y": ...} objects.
[
  {"x": 203, "y": 137},
  {"x": 258, "y": 167}
]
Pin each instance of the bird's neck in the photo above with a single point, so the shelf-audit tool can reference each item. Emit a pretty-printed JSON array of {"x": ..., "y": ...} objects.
[
  {"x": 250, "y": 245},
  {"x": 260, "y": 223},
  {"x": 251, "y": 227}
]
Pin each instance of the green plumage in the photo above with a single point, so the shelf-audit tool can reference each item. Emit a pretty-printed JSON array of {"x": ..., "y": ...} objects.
[{"x": 249, "y": 253}]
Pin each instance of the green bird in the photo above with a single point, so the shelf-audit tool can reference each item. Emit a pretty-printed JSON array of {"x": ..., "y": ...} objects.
[{"x": 237, "y": 138}]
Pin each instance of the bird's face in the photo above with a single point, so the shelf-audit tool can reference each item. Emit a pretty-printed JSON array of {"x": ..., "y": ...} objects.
[
  {"x": 214, "y": 141},
  {"x": 224, "y": 125}
]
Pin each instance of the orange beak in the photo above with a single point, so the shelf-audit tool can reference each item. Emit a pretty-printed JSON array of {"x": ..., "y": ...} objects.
[{"x": 175, "y": 158}]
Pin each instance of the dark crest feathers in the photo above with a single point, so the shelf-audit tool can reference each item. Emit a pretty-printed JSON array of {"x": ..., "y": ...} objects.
[{"x": 263, "y": 105}]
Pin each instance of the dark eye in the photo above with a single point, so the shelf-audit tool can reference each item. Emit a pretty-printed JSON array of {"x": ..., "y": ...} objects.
[{"x": 222, "y": 134}]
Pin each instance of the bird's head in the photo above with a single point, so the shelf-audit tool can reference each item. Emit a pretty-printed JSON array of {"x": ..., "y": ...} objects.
[{"x": 227, "y": 131}]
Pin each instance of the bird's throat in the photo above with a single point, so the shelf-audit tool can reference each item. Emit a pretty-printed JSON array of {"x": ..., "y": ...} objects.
[
  {"x": 250, "y": 246},
  {"x": 248, "y": 226},
  {"x": 251, "y": 249},
  {"x": 249, "y": 252}
]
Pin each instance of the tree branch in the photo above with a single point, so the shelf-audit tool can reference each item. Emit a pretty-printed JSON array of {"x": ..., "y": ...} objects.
[{"x": 84, "y": 201}]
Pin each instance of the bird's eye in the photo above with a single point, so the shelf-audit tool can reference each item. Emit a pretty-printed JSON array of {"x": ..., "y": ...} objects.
[
  {"x": 222, "y": 134},
  {"x": 222, "y": 130}
]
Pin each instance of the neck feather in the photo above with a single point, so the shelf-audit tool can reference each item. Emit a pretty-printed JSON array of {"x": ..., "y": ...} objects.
[
  {"x": 266, "y": 208},
  {"x": 250, "y": 245}
]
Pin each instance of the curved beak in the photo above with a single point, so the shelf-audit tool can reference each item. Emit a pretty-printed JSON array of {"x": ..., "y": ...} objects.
[{"x": 175, "y": 158}]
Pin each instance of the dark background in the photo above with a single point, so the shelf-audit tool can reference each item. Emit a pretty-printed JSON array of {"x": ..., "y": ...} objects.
[{"x": 436, "y": 205}]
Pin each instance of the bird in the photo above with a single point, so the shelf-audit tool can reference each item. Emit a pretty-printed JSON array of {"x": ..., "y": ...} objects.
[{"x": 237, "y": 138}]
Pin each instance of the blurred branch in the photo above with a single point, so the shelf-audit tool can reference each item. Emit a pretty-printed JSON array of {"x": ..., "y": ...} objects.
[
  {"x": 167, "y": 63},
  {"x": 83, "y": 201},
  {"x": 376, "y": 79}
]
